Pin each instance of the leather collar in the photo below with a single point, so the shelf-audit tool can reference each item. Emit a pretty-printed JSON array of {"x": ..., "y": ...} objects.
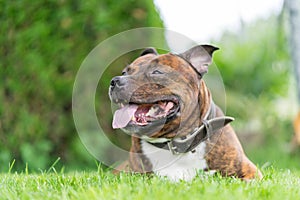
[{"x": 210, "y": 125}]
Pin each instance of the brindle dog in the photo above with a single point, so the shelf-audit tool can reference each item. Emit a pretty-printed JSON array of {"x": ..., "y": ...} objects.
[{"x": 176, "y": 128}]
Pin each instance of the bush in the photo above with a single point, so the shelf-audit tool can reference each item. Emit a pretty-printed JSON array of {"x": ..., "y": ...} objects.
[{"x": 42, "y": 46}]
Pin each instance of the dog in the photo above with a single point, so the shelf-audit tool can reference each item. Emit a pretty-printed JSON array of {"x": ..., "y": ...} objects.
[{"x": 177, "y": 130}]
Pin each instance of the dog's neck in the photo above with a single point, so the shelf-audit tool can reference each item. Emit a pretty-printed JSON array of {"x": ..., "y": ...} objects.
[{"x": 209, "y": 123}]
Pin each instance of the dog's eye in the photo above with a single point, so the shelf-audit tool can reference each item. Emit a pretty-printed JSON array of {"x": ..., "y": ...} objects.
[{"x": 157, "y": 72}]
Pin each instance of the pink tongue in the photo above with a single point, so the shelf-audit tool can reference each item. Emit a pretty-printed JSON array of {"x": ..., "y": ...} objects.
[{"x": 123, "y": 116}]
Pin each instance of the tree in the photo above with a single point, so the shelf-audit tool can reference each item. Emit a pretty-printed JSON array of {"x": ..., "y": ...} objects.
[{"x": 41, "y": 48}]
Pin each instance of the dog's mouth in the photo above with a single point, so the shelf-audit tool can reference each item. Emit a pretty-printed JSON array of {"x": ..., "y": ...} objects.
[{"x": 143, "y": 114}]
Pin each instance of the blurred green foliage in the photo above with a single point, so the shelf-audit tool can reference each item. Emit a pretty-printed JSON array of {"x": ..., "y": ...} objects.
[
  {"x": 41, "y": 47},
  {"x": 256, "y": 60},
  {"x": 255, "y": 67}
]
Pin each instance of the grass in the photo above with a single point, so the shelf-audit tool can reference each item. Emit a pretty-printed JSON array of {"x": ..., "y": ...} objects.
[
  {"x": 277, "y": 184},
  {"x": 281, "y": 181}
]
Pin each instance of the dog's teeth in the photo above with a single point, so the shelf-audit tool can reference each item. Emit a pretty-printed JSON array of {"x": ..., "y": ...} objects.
[{"x": 152, "y": 111}]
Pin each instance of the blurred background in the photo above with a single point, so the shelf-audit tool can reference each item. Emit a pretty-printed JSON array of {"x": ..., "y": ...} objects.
[{"x": 43, "y": 44}]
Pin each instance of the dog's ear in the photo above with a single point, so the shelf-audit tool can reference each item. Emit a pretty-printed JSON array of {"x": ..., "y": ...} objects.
[
  {"x": 199, "y": 57},
  {"x": 149, "y": 50}
]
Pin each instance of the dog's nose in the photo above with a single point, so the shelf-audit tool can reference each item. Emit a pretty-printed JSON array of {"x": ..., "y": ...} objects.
[{"x": 116, "y": 81}]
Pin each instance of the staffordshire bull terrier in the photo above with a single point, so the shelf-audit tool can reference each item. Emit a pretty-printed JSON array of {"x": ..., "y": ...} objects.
[{"x": 176, "y": 128}]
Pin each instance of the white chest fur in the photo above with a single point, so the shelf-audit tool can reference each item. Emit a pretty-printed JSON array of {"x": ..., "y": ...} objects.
[{"x": 175, "y": 167}]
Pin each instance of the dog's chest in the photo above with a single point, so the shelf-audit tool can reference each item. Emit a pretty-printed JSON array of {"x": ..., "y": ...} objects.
[{"x": 175, "y": 167}]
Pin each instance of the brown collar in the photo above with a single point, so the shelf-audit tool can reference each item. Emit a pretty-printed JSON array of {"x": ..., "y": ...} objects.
[{"x": 210, "y": 125}]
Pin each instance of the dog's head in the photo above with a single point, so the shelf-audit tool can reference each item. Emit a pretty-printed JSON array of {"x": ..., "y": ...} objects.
[{"x": 158, "y": 95}]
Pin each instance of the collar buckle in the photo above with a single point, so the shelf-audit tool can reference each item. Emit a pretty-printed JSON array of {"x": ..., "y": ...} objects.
[{"x": 173, "y": 149}]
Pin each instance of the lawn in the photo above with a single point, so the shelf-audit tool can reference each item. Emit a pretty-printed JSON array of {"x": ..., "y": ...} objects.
[
  {"x": 281, "y": 181},
  {"x": 277, "y": 184}
]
